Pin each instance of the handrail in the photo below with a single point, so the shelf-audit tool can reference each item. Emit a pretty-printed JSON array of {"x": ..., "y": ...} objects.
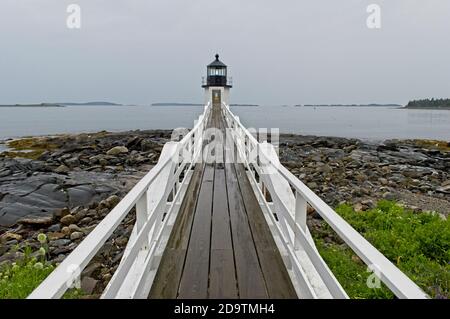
[
  {"x": 70, "y": 269},
  {"x": 394, "y": 278}
]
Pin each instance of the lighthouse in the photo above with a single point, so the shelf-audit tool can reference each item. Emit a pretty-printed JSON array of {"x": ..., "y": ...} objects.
[{"x": 217, "y": 85}]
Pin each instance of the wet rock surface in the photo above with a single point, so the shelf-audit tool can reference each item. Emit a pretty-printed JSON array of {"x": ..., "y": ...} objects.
[{"x": 78, "y": 170}]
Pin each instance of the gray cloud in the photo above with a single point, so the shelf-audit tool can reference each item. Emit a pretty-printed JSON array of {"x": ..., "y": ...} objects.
[{"x": 289, "y": 51}]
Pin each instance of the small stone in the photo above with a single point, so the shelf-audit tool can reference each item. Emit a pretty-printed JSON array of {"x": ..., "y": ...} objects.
[
  {"x": 121, "y": 241},
  {"x": 103, "y": 204},
  {"x": 312, "y": 185},
  {"x": 81, "y": 214},
  {"x": 113, "y": 201},
  {"x": 66, "y": 230},
  {"x": 91, "y": 269},
  {"x": 68, "y": 219},
  {"x": 76, "y": 235},
  {"x": 9, "y": 236},
  {"x": 326, "y": 169},
  {"x": 59, "y": 243},
  {"x": 368, "y": 203},
  {"x": 59, "y": 259},
  {"x": 72, "y": 162},
  {"x": 85, "y": 220},
  {"x": 36, "y": 221},
  {"x": 388, "y": 196},
  {"x": 74, "y": 228},
  {"x": 117, "y": 150},
  {"x": 88, "y": 285},
  {"x": 106, "y": 277},
  {"x": 356, "y": 259},
  {"x": 55, "y": 228},
  {"x": 55, "y": 236},
  {"x": 62, "y": 169},
  {"x": 358, "y": 207},
  {"x": 103, "y": 212}
]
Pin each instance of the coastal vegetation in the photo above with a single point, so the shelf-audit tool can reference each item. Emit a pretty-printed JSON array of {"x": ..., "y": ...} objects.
[
  {"x": 417, "y": 243},
  {"x": 20, "y": 278},
  {"x": 429, "y": 104},
  {"x": 30, "y": 148}
]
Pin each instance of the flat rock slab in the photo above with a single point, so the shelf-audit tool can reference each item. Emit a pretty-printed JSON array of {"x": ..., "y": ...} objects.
[{"x": 26, "y": 192}]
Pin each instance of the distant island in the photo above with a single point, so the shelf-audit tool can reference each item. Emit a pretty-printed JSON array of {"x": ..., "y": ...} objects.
[
  {"x": 350, "y": 105},
  {"x": 91, "y": 103},
  {"x": 33, "y": 105},
  {"x": 435, "y": 104},
  {"x": 61, "y": 104}
]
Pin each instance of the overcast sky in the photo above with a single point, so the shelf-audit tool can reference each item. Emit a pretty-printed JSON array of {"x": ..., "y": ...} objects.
[{"x": 278, "y": 52}]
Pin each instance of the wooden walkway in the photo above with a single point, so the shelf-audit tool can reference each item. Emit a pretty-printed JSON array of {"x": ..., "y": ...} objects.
[{"x": 221, "y": 245}]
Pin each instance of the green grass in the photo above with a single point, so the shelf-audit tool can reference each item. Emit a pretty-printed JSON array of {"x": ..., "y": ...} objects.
[
  {"x": 418, "y": 244},
  {"x": 18, "y": 280}
]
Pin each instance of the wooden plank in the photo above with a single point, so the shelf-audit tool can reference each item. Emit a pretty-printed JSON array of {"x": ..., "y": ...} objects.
[
  {"x": 222, "y": 275},
  {"x": 194, "y": 280},
  {"x": 249, "y": 275},
  {"x": 222, "y": 270},
  {"x": 277, "y": 279},
  {"x": 221, "y": 233},
  {"x": 169, "y": 272}
]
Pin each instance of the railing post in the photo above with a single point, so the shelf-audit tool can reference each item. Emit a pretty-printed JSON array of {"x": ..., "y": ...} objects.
[
  {"x": 300, "y": 216},
  {"x": 141, "y": 211}
]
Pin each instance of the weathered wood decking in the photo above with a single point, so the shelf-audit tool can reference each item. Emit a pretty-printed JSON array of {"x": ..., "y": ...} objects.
[{"x": 221, "y": 245}]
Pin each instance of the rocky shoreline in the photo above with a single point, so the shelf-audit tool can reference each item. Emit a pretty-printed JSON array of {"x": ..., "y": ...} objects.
[
  {"x": 415, "y": 173},
  {"x": 69, "y": 183}
]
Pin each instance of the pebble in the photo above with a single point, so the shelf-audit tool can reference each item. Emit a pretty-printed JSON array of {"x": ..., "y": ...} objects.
[
  {"x": 55, "y": 228},
  {"x": 117, "y": 150},
  {"x": 76, "y": 235},
  {"x": 62, "y": 169},
  {"x": 65, "y": 230},
  {"x": 59, "y": 242},
  {"x": 74, "y": 228},
  {"x": 68, "y": 219}
]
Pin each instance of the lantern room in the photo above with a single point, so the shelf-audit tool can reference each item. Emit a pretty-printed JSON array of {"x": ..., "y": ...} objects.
[{"x": 217, "y": 74}]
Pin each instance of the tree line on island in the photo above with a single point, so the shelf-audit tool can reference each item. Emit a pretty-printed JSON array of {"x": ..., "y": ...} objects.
[{"x": 429, "y": 104}]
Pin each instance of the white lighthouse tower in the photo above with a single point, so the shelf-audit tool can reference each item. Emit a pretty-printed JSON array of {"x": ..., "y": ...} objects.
[{"x": 217, "y": 85}]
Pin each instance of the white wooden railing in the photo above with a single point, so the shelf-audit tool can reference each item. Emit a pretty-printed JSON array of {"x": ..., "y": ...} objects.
[
  {"x": 157, "y": 199},
  {"x": 286, "y": 212}
]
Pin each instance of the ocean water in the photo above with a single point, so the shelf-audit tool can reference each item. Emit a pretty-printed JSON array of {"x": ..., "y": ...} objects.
[{"x": 369, "y": 123}]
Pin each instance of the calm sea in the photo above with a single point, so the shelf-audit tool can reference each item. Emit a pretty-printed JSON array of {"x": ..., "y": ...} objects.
[{"x": 371, "y": 123}]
